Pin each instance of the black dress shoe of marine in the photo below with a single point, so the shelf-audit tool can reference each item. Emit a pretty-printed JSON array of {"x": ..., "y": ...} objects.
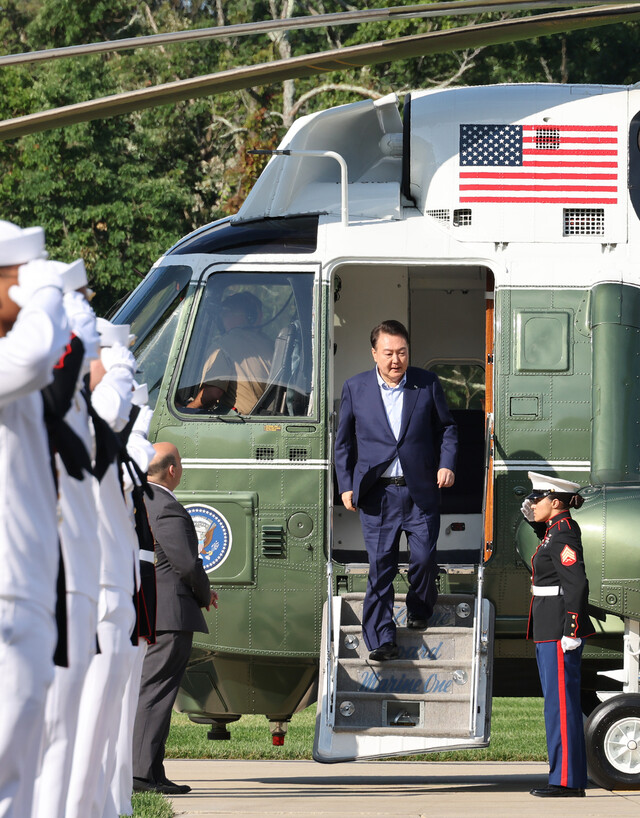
[
  {"x": 556, "y": 791},
  {"x": 385, "y": 652},
  {"x": 416, "y": 623}
]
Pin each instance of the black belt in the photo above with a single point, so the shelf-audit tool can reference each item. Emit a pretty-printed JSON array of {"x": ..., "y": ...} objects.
[{"x": 393, "y": 481}]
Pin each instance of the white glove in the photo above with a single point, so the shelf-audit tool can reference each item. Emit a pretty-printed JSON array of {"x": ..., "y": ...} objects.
[
  {"x": 139, "y": 448},
  {"x": 143, "y": 421},
  {"x": 527, "y": 510},
  {"x": 83, "y": 322},
  {"x": 33, "y": 276},
  {"x": 140, "y": 394},
  {"x": 118, "y": 356},
  {"x": 569, "y": 643}
]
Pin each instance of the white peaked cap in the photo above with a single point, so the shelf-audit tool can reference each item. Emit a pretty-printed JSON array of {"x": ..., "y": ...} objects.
[
  {"x": 543, "y": 484},
  {"x": 111, "y": 334},
  {"x": 140, "y": 394},
  {"x": 73, "y": 275},
  {"x": 18, "y": 246}
]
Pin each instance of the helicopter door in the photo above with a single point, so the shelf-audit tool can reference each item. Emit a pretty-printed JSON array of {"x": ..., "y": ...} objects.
[{"x": 437, "y": 695}]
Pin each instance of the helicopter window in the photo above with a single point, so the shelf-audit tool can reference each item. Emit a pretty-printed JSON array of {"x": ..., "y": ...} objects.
[
  {"x": 153, "y": 311},
  {"x": 464, "y": 389},
  {"x": 250, "y": 351},
  {"x": 463, "y": 384}
]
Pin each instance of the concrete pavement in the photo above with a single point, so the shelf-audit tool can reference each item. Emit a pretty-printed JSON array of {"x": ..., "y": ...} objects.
[{"x": 398, "y": 789}]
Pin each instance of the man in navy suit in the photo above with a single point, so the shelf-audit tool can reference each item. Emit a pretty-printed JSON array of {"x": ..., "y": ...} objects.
[{"x": 395, "y": 448}]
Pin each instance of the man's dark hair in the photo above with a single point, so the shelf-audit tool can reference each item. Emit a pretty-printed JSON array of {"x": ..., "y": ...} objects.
[
  {"x": 390, "y": 327},
  {"x": 160, "y": 466},
  {"x": 245, "y": 302}
]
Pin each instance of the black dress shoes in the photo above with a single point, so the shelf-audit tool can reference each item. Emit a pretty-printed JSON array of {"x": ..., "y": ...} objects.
[
  {"x": 176, "y": 789},
  {"x": 556, "y": 791},
  {"x": 385, "y": 652},
  {"x": 165, "y": 787},
  {"x": 416, "y": 623}
]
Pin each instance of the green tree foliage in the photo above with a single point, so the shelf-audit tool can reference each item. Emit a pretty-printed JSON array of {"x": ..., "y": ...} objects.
[{"x": 120, "y": 191}]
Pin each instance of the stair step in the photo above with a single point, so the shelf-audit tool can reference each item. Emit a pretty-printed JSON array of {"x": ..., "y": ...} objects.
[
  {"x": 451, "y": 679},
  {"x": 451, "y": 610},
  {"x": 437, "y": 715},
  {"x": 431, "y": 631},
  {"x": 392, "y": 665},
  {"x": 431, "y": 645},
  {"x": 404, "y": 697},
  {"x": 395, "y": 730}
]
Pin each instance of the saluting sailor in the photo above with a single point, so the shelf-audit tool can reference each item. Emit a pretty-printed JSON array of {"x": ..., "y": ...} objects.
[
  {"x": 111, "y": 384},
  {"x": 78, "y": 529},
  {"x": 33, "y": 334},
  {"x": 558, "y": 623}
]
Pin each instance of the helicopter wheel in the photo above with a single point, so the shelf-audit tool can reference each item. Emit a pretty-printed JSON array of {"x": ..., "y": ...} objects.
[{"x": 612, "y": 736}]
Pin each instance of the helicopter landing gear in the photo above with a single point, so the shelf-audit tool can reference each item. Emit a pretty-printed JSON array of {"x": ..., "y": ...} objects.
[
  {"x": 278, "y": 729},
  {"x": 612, "y": 735}
]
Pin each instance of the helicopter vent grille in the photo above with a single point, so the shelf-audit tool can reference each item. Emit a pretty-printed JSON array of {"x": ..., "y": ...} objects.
[
  {"x": 547, "y": 139},
  {"x": 583, "y": 221},
  {"x": 272, "y": 540},
  {"x": 265, "y": 453},
  {"x": 441, "y": 215},
  {"x": 462, "y": 217},
  {"x": 298, "y": 454}
]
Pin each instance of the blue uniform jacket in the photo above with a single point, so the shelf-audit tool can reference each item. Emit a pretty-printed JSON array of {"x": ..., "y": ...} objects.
[
  {"x": 558, "y": 561},
  {"x": 365, "y": 444}
]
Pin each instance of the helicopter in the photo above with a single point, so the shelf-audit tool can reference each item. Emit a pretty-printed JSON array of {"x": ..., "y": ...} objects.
[{"x": 498, "y": 224}]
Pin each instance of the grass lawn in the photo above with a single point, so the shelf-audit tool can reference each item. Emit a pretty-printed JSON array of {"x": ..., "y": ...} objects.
[
  {"x": 517, "y": 734},
  {"x": 151, "y": 805}
]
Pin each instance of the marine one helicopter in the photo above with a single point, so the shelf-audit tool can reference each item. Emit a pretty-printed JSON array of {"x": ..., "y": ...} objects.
[{"x": 508, "y": 215}]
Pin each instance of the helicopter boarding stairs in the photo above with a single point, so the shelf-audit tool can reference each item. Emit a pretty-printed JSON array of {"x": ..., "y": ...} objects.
[{"x": 435, "y": 696}]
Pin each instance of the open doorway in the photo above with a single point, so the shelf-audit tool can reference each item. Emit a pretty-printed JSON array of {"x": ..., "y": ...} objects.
[{"x": 444, "y": 307}]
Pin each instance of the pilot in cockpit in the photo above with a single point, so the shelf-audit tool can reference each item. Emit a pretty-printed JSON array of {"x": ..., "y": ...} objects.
[{"x": 235, "y": 375}]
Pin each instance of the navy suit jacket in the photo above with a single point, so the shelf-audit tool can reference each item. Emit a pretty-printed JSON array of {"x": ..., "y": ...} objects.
[{"x": 365, "y": 444}]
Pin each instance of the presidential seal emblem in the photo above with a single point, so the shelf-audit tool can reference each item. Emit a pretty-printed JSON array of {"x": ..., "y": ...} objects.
[{"x": 214, "y": 535}]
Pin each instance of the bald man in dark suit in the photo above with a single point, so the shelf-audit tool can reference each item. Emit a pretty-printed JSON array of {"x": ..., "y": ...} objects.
[{"x": 182, "y": 590}]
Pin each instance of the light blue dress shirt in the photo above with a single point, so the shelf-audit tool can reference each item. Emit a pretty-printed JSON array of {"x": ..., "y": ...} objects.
[{"x": 393, "y": 400}]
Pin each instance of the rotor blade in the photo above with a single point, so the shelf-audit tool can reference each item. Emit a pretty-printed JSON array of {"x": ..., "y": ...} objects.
[
  {"x": 311, "y": 64},
  {"x": 454, "y": 8}
]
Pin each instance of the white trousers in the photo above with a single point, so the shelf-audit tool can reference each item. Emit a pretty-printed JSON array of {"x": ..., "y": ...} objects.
[
  {"x": 61, "y": 713},
  {"x": 27, "y": 642},
  {"x": 119, "y": 798},
  {"x": 101, "y": 703}
]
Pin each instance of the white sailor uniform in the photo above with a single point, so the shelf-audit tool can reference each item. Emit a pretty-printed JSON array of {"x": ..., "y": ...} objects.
[
  {"x": 121, "y": 775},
  {"x": 28, "y": 536},
  {"x": 109, "y": 670},
  {"x": 78, "y": 528}
]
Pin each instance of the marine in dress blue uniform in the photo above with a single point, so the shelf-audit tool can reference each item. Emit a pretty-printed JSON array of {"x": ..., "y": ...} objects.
[{"x": 558, "y": 624}]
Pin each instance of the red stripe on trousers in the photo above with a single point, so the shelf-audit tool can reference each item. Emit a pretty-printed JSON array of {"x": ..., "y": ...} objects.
[{"x": 562, "y": 701}]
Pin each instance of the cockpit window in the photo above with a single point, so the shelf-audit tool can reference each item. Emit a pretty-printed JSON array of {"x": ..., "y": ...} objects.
[
  {"x": 153, "y": 311},
  {"x": 250, "y": 352}
]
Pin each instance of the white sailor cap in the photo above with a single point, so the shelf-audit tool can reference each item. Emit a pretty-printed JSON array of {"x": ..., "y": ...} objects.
[
  {"x": 111, "y": 334},
  {"x": 18, "y": 245},
  {"x": 73, "y": 275},
  {"x": 543, "y": 485}
]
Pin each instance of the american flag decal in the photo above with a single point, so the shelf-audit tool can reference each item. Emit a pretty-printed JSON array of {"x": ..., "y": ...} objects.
[{"x": 559, "y": 164}]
